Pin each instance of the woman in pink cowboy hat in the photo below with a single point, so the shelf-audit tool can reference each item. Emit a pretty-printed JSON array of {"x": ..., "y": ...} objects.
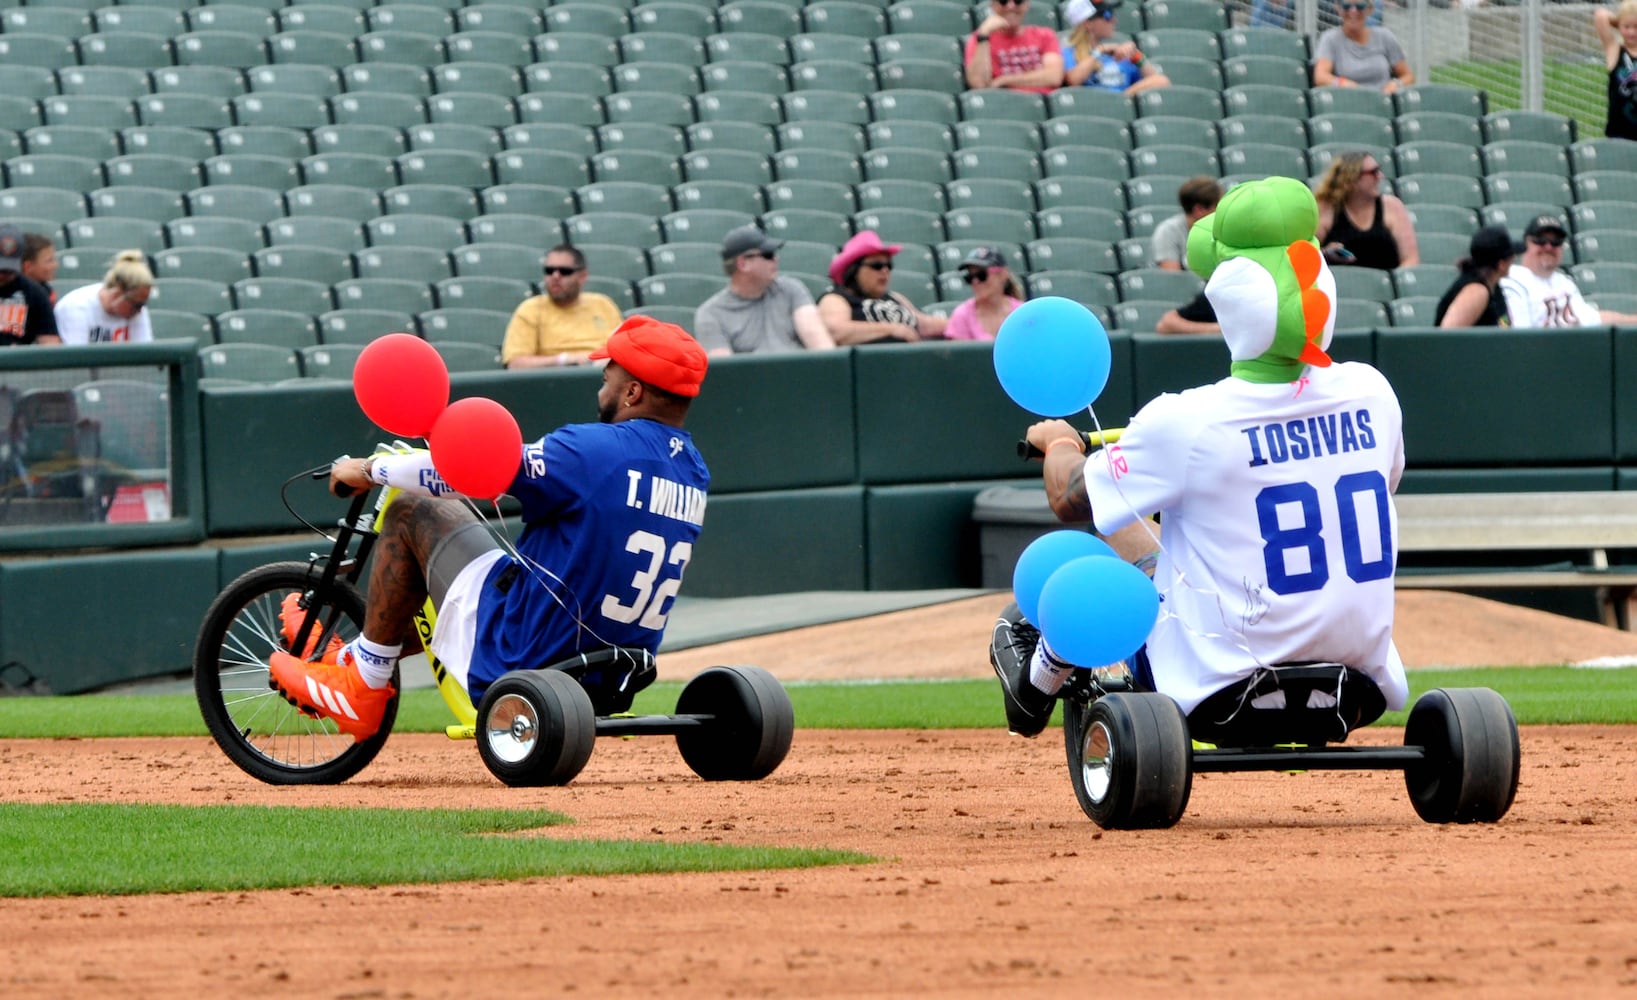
[{"x": 859, "y": 309}]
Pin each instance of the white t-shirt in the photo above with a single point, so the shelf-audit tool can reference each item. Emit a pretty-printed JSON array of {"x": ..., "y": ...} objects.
[
  {"x": 1533, "y": 301},
  {"x": 82, "y": 320},
  {"x": 1278, "y": 531}
]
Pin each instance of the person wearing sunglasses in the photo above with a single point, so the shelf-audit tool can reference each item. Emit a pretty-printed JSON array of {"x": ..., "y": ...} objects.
[
  {"x": 995, "y": 293},
  {"x": 1359, "y": 224},
  {"x": 1474, "y": 297},
  {"x": 113, "y": 312},
  {"x": 859, "y": 309},
  {"x": 1355, "y": 54},
  {"x": 1540, "y": 295},
  {"x": 1005, "y": 52},
  {"x": 1093, "y": 58},
  {"x": 760, "y": 311},
  {"x": 563, "y": 326}
]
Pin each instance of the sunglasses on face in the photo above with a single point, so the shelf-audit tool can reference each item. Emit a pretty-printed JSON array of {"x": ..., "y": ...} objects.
[
  {"x": 1374, "y": 171},
  {"x": 1354, "y": 6},
  {"x": 764, "y": 254},
  {"x": 974, "y": 275},
  {"x": 1011, "y": 3},
  {"x": 561, "y": 272},
  {"x": 1546, "y": 241},
  {"x": 878, "y": 265}
]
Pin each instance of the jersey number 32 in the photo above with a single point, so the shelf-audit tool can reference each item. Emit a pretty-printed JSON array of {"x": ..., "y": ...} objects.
[{"x": 652, "y": 604}]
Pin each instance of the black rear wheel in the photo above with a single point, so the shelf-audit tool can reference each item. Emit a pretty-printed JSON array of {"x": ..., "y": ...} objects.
[
  {"x": 536, "y": 727},
  {"x": 257, "y": 729},
  {"x": 1130, "y": 759},
  {"x": 1469, "y": 773},
  {"x": 751, "y": 728}
]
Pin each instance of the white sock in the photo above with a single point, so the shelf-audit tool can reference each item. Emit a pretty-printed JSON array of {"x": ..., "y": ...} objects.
[
  {"x": 374, "y": 660},
  {"x": 1046, "y": 671}
]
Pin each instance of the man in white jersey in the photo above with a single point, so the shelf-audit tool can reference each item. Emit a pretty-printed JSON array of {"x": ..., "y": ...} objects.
[
  {"x": 1277, "y": 537},
  {"x": 1539, "y": 294}
]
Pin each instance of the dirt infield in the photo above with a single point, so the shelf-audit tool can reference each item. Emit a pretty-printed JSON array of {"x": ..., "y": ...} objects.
[{"x": 990, "y": 878}]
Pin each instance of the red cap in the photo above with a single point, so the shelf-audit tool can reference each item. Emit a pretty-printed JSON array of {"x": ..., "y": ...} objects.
[{"x": 663, "y": 355}]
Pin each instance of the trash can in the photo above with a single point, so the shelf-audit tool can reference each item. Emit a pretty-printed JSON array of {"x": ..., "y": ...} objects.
[{"x": 1008, "y": 519}]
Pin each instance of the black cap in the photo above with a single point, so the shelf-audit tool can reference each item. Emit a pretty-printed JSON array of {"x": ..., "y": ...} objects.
[
  {"x": 748, "y": 239},
  {"x": 984, "y": 257},
  {"x": 1491, "y": 245},
  {"x": 1544, "y": 224}
]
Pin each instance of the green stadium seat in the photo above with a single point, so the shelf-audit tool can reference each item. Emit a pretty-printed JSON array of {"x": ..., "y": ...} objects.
[
  {"x": 1065, "y": 191},
  {"x": 238, "y": 201},
  {"x": 60, "y": 205},
  {"x": 435, "y": 19},
  {"x": 72, "y": 173},
  {"x": 1009, "y": 105},
  {"x": 948, "y": 255},
  {"x": 811, "y": 224},
  {"x": 1085, "y": 287},
  {"x": 1320, "y": 154},
  {"x": 660, "y": 107},
  {"x": 508, "y": 227},
  {"x": 243, "y": 235},
  {"x": 932, "y": 17},
  {"x": 88, "y": 110},
  {"x": 332, "y": 361},
  {"x": 739, "y": 106},
  {"x": 87, "y": 264},
  {"x": 362, "y": 170},
  {"x": 339, "y": 20},
  {"x": 292, "y": 110},
  {"x": 1605, "y": 246},
  {"x": 461, "y": 329},
  {"x": 494, "y": 111},
  {"x": 1266, "y": 71},
  {"x": 688, "y": 258},
  {"x": 998, "y": 225},
  {"x": 998, "y": 132},
  {"x": 1433, "y": 189},
  {"x": 1084, "y": 221},
  {"x": 1443, "y": 216},
  {"x": 635, "y": 165},
  {"x": 565, "y": 137},
  {"x": 681, "y": 289},
  {"x": 312, "y": 47},
  {"x": 834, "y": 75},
  {"x": 1168, "y": 161},
  {"x": 541, "y": 200},
  {"x": 463, "y": 137},
  {"x": 402, "y": 82},
  {"x": 901, "y": 225},
  {"x": 497, "y": 48},
  {"x": 1262, "y": 42},
  {"x": 577, "y": 47},
  {"x": 1603, "y": 155},
  {"x": 530, "y": 166},
  {"x": 1004, "y": 193},
  {"x": 646, "y": 137},
  {"x": 914, "y": 106},
  {"x": 673, "y": 18},
  {"x": 1092, "y": 161},
  {"x": 907, "y": 132},
  {"x": 666, "y": 78},
  {"x": 107, "y": 230},
  {"x": 1514, "y": 215},
  {"x": 624, "y": 196},
  {"x": 1175, "y": 287},
  {"x": 759, "y": 17},
  {"x": 397, "y": 110},
  {"x": 1162, "y": 130},
  {"x": 765, "y": 78},
  {"x": 1263, "y": 159},
  {"x": 91, "y": 142},
  {"x": 729, "y": 195},
  {"x": 842, "y": 137},
  {"x": 1437, "y": 157},
  {"x": 264, "y": 140},
  {"x": 747, "y": 46},
  {"x": 1603, "y": 215},
  {"x": 234, "y": 49},
  {"x": 1414, "y": 310},
  {"x": 316, "y": 230},
  {"x": 64, "y": 22},
  {"x": 620, "y": 228},
  {"x": 361, "y": 326},
  {"x": 1438, "y": 247},
  {"x": 170, "y": 324},
  {"x": 248, "y": 362},
  {"x": 210, "y": 263},
  {"x": 135, "y": 50},
  {"x": 325, "y": 265},
  {"x": 252, "y": 170},
  {"x": 153, "y": 170},
  {"x": 448, "y": 167},
  {"x": 922, "y": 74},
  {"x": 481, "y": 78},
  {"x": 1187, "y": 43},
  {"x": 198, "y": 81},
  {"x": 1187, "y": 102},
  {"x": 295, "y": 78},
  {"x": 1599, "y": 277},
  {"x": 844, "y": 17},
  {"x": 587, "y": 18},
  {"x": 1525, "y": 155},
  {"x": 1428, "y": 278},
  {"x": 820, "y": 194},
  {"x": 675, "y": 48},
  {"x": 1528, "y": 186},
  {"x": 833, "y": 165},
  {"x": 995, "y": 162},
  {"x": 383, "y": 293},
  {"x": 1203, "y": 15},
  {"x": 1071, "y": 254},
  {"x": 1443, "y": 126},
  {"x": 1142, "y": 220},
  {"x": 1350, "y": 100},
  {"x": 431, "y": 199},
  {"x": 193, "y": 295},
  {"x": 342, "y": 201},
  {"x": 1455, "y": 98},
  {"x": 825, "y": 105},
  {"x": 412, "y": 48},
  {"x": 297, "y": 295},
  {"x": 1141, "y": 315},
  {"x": 1369, "y": 130},
  {"x": 1262, "y": 99},
  {"x": 483, "y": 292},
  {"x": 1366, "y": 283},
  {"x": 412, "y": 230},
  {"x": 1086, "y": 130},
  {"x": 31, "y": 83},
  {"x": 461, "y": 356},
  {"x": 424, "y": 264},
  {"x": 702, "y": 225}
]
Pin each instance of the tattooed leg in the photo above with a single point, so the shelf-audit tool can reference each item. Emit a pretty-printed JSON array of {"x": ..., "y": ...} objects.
[{"x": 397, "y": 578}]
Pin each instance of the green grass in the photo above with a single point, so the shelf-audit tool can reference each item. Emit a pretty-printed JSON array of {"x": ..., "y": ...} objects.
[
  {"x": 126, "y": 849},
  {"x": 1538, "y": 695},
  {"x": 1574, "y": 89}
]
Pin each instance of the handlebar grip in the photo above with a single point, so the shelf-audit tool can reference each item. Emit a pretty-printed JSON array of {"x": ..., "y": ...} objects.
[{"x": 1090, "y": 439}]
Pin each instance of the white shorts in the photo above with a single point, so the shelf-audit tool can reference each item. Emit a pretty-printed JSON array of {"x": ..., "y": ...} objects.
[{"x": 455, "y": 632}]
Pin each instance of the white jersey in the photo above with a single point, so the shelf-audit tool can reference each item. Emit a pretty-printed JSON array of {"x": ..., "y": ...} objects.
[
  {"x": 1533, "y": 301},
  {"x": 82, "y": 320},
  {"x": 1277, "y": 527}
]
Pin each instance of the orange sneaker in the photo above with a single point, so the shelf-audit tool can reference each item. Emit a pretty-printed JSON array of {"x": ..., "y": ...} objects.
[
  {"x": 290, "y": 615},
  {"x": 330, "y": 691}
]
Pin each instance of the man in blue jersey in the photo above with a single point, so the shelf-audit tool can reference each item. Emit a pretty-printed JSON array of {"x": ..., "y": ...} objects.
[{"x": 611, "y": 512}]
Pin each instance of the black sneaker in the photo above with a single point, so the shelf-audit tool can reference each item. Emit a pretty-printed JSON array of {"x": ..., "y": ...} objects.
[{"x": 1011, "y": 647}]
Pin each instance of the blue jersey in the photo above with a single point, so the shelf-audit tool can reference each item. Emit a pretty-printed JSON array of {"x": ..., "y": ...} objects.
[
  {"x": 1114, "y": 74},
  {"x": 612, "y": 510}
]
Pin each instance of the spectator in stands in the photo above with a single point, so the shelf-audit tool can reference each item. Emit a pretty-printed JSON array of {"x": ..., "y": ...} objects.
[
  {"x": 114, "y": 312},
  {"x": 1474, "y": 299},
  {"x": 761, "y": 310},
  {"x": 40, "y": 261},
  {"x": 1355, "y": 54},
  {"x": 1358, "y": 224},
  {"x": 1618, "y": 33},
  {"x": 859, "y": 309},
  {"x": 995, "y": 293},
  {"x": 25, "y": 308},
  {"x": 1538, "y": 294},
  {"x": 566, "y": 324},
  {"x": 1005, "y": 52},
  {"x": 1197, "y": 315},
  {"x": 1273, "y": 14},
  {"x": 1092, "y": 58},
  {"x": 1198, "y": 197}
]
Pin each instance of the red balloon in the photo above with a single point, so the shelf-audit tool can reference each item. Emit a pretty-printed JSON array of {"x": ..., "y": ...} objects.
[
  {"x": 401, "y": 383},
  {"x": 477, "y": 447}
]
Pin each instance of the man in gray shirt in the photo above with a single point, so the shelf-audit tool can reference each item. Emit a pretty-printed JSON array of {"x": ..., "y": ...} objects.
[{"x": 760, "y": 310}]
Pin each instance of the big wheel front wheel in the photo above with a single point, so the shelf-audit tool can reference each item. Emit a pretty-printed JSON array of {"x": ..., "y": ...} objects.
[
  {"x": 1130, "y": 760},
  {"x": 257, "y": 729}
]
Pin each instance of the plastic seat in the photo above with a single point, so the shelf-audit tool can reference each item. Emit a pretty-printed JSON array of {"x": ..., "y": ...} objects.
[
  {"x": 816, "y": 225},
  {"x": 85, "y": 265},
  {"x": 358, "y": 327},
  {"x": 559, "y": 109},
  {"x": 1090, "y": 161},
  {"x": 947, "y": 256},
  {"x": 409, "y": 229},
  {"x": 1186, "y": 102},
  {"x": 64, "y": 22},
  {"x": 424, "y": 264},
  {"x": 635, "y": 165},
  {"x": 1450, "y": 97},
  {"x": 1261, "y": 99},
  {"x": 907, "y": 163},
  {"x": 833, "y": 75},
  {"x": 1436, "y": 217},
  {"x": 624, "y": 196},
  {"x": 288, "y": 109},
  {"x": 1141, "y": 315},
  {"x": 642, "y": 137},
  {"x": 1525, "y": 155},
  {"x": 1171, "y": 131},
  {"x": 669, "y": 47},
  {"x": 88, "y": 110},
  {"x": 361, "y": 170},
  {"x": 678, "y": 289},
  {"x": 1365, "y": 129},
  {"x": 1603, "y": 215},
  {"x": 177, "y": 110},
  {"x": 295, "y": 78},
  {"x": 153, "y": 204},
  {"x": 448, "y": 200},
  {"x": 335, "y": 18},
  {"x": 493, "y": 47},
  {"x": 1077, "y": 256},
  {"x": 341, "y": 201},
  {"x": 522, "y": 166},
  {"x": 673, "y": 18},
  {"x": 907, "y": 132},
  {"x": 86, "y": 141},
  {"x": 1603, "y": 155},
  {"x": 1528, "y": 186},
  {"x": 523, "y": 230},
  {"x": 1008, "y": 105},
  {"x": 493, "y": 293},
  {"x": 916, "y": 195},
  {"x": 370, "y": 108},
  {"x": 619, "y": 228},
  {"x": 252, "y": 170},
  {"x": 1366, "y": 283},
  {"x": 264, "y": 140},
  {"x": 900, "y": 225},
  {"x": 325, "y": 265},
  {"x": 209, "y": 263},
  {"x": 1001, "y": 133},
  {"x": 823, "y": 45},
  {"x": 400, "y": 81},
  {"x": 830, "y": 196},
  {"x": 1254, "y": 41},
  {"x": 738, "y": 106},
  {"x": 1600, "y": 246},
  {"x": 72, "y": 173},
  {"x": 1267, "y": 71},
  {"x": 933, "y": 17},
  {"x": 687, "y": 258},
  {"x": 330, "y": 361},
  {"x": 236, "y": 201},
  {"x": 194, "y": 295},
  {"x": 1435, "y": 157},
  {"x": 716, "y": 136},
  {"x": 1170, "y": 160},
  {"x": 312, "y": 48},
  {"x": 243, "y": 235},
  {"x": 1178, "y": 286},
  {"x": 842, "y": 137},
  {"x": 1264, "y": 159},
  {"x": 1085, "y": 130},
  {"x": 476, "y": 139},
  {"x": 316, "y": 230},
  {"x": 393, "y": 294},
  {"x": 485, "y": 79},
  {"x": 1262, "y": 130},
  {"x": 1424, "y": 279},
  {"x": 577, "y": 47},
  {"x": 1350, "y": 100},
  {"x": 730, "y": 165},
  {"x": 766, "y": 78},
  {"x": 565, "y": 137},
  {"x": 845, "y": 168},
  {"x": 1203, "y": 15},
  {"x": 1001, "y": 225},
  {"x": 1065, "y": 191},
  {"x": 412, "y": 48},
  {"x": 299, "y": 295},
  {"x": 448, "y": 167},
  {"x": 1514, "y": 215},
  {"x": 825, "y": 105},
  {"x": 538, "y": 200},
  {"x": 1188, "y": 43},
  {"x": 1082, "y": 285},
  {"x": 915, "y": 106},
  {"x": 134, "y": 49},
  {"x": 1442, "y": 126},
  {"x": 106, "y": 230},
  {"x": 995, "y": 162},
  {"x": 759, "y": 17},
  {"x": 257, "y": 21},
  {"x": 31, "y": 83},
  {"x": 248, "y": 362},
  {"x": 1187, "y": 72},
  {"x": 845, "y": 17},
  {"x": 747, "y": 46},
  {"x": 464, "y": 356},
  {"x": 234, "y": 49},
  {"x": 1085, "y": 222}
]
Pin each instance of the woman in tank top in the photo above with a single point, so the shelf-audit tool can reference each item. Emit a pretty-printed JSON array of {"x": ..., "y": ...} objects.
[
  {"x": 1358, "y": 224},
  {"x": 1618, "y": 33},
  {"x": 1474, "y": 298}
]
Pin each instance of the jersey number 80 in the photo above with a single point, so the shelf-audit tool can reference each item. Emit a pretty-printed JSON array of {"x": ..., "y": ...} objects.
[{"x": 1309, "y": 535}]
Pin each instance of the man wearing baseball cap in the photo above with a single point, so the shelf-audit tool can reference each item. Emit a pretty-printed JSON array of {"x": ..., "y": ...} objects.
[
  {"x": 611, "y": 511},
  {"x": 1005, "y": 52},
  {"x": 760, "y": 311},
  {"x": 1539, "y": 294},
  {"x": 26, "y": 316}
]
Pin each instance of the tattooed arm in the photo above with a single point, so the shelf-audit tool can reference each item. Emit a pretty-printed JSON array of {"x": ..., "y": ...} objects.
[{"x": 1064, "y": 469}]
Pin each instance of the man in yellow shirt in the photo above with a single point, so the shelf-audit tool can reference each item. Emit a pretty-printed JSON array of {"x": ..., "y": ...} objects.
[{"x": 563, "y": 326}]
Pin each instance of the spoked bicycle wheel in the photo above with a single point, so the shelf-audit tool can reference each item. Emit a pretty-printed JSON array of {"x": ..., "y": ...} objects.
[{"x": 257, "y": 729}]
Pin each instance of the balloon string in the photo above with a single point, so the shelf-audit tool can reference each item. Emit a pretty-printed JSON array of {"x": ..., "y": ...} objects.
[{"x": 1239, "y": 637}]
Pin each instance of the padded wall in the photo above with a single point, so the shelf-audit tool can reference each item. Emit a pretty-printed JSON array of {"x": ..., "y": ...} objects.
[
  {"x": 777, "y": 422},
  {"x": 1531, "y": 480},
  {"x": 1625, "y": 394},
  {"x": 83, "y": 622},
  {"x": 779, "y": 542},
  {"x": 1502, "y": 396},
  {"x": 923, "y": 537}
]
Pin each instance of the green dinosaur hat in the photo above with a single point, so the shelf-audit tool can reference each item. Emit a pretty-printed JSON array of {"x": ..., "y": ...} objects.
[{"x": 1272, "y": 291}]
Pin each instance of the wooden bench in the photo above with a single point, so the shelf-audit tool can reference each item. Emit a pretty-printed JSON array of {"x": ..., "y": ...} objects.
[{"x": 1590, "y": 523}]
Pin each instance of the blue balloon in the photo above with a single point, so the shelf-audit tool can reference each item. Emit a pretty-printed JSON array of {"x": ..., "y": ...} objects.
[
  {"x": 1096, "y": 611},
  {"x": 1052, "y": 356},
  {"x": 1043, "y": 557}
]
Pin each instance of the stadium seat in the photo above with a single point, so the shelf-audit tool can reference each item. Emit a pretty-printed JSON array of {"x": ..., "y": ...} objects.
[
  {"x": 811, "y": 224},
  {"x": 1604, "y": 215},
  {"x": 434, "y": 19},
  {"x": 1141, "y": 315},
  {"x": 1603, "y": 155},
  {"x": 1086, "y": 161},
  {"x": 292, "y": 294},
  {"x": 738, "y": 106},
  {"x": 408, "y": 229},
  {"x": 1437, "y": 157},
  {"x": 424, "y": 264},
  {"x": 331, "y": 361},
  {"x": 248, "y": 362},
  {"x": 295, "y": 78},
  {"x": 765, "y": 78},
  {"x": 456, "y": 334},
  {"x": 702, "y": 225},
  {"x": 718, "y": 194},
  {"x": 451, "y": 200},
  {"x": 994, "y": 193},
  {"x": 1073, "y": 255},
  {"x": 1460, "y": 190},
  {"x": 1065, "y": 191},
  {"x": 1086, "y": 130},
  {"x": 509, "y": 227},
  {"x": 1084, "y": 221},
  {"x": 1147, "y": 161},
  {"x": 1187, "y": 102},
  {"x": 1514, "y": 215},
  {"x": 482, "y": 292},
  {"x": 72, "y": 173},
  {"x": 1414, "y": 310},
  {"x": 805, "y": 193},
  {"x": 325, "y": 265},
  {"x": 1455, "y": 98},
  {"x": 361, "y": 326},
  {"x": 318, "y": 230},
  {"x": 1367, "y": 283},
  {"x": 336, "y": 19},
  {"x": 907, "y": 132},
  {"x": 243, "y": 235},
  {"x": 673, "y": 18},
  {"x": 1443, "y": 126},
  {"x": 236, "y": 201},
  {"x": 1528, "y": 186},
  {"x": 397, "y": 294},
  {"x": 1264, "y": 159},
  {"x": 997, "y": 225},
  {"x": 1366, "y": 129},
  {"x": 675, "y": 48},
  {"x": 540, "y": 200},
  {"x": 1350, "y": 100},
  {"x": 570, "y": 47},
  {"x": 276, "y": 173},
  {"x": 666, "y": 78},
  {"x": 759, "y": 17},
  {"x": 264, "y": 140},
  {"x": 995, "y": 162},
  {"x": 412, "y": 48},
  {"x": 901, "y": 225},
  {"x": 690, "y": 258},
  {"x": 1443, "y": 217},
  {"x": 90, "y": 110},
  {"x": 1427, "y": 278},
  {"x": 292, "y": 110},
  {"x": 401, "y": 82},
  {"x": 531, "y": 166},
  {"x": 1267, "y": 71},
  {"x": 915, "y": 106},
  {"x": 1165, "y": 130},
  {"x": 1175, "y": 287},
  {"x": 343, "y": 201},
  {"x": 90, "y": 142},
  {"x": 133, "y": 49},
  {"x": 1203, "y": 15},
  {"x": 1605, "y": 246},
  {"x": 1526, "y": 155},
  {"x": 142, "y": 234},
  {"x": 1262, "y": 42},
  {"x": 312, "y": 47},
  {"x": 194, "y": 295}
]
